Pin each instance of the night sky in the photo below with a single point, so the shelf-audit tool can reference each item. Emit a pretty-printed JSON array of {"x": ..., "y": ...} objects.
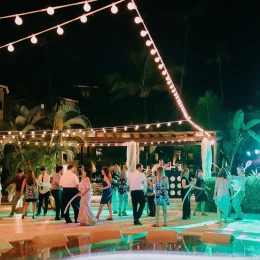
[{"x": 87, "y": 53}]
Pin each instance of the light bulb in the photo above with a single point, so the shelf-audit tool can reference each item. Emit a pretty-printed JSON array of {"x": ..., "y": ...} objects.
[
  {"x": 60, "y": 31},
  {"x": 160, "y": 66},
  {"x": 114, "y": 9},
  {"x": 169, "y": 82},
  {"x": 83, "y": 18},
  {"x": 153, "y": 51},
  {"x": 168, "y": 78},
  {"x": 10, "y": 47},
  {"x": 50, "y": 10},
  {"x": 164, "y": 72},
  {"x": 138, "y": 19},
  {"x": 18, "y": 20},
  {"x": 172, "y": 86},
  {"x": 143, "y": 33},
  {"x": 87, "y": 7},
  {"x": 131, "y": 6},
  {"x": 157, "y": 59},
  {"x": 148, "y": 43},
  {"x": 34, "y": 39}
]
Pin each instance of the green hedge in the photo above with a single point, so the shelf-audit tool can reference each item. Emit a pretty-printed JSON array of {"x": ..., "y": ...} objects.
[{"x": 251, "y": 202}]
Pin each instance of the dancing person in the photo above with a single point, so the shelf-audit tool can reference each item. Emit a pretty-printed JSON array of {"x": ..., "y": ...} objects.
[
  {"x": 114, "y": 185},
  {"x": 44, "y": 193},
  {"x": 185, "y": 188},
  {"x": 123, "y": 189},
  {"x": 69, "y": 182},
  {"x": 201, "y": 195},
  {"x": 222, "y": 194},
  {"x": 18, "y": 181},
  {"x": 56, "y": 192},
  {"x": 30, "y": 184},
  {"x": 86, "y": 216},
  {"x": 150, "y": 193},
  {"x": 138, "y": 185},
  {"x": 159, "y": 164},
  {"x": 239, "y": 191},
  {"x": 161, "y": 185},
  {"x": 106, "y": 193}
]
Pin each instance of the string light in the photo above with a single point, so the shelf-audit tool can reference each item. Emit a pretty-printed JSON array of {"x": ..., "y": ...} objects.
[
  {"x": 87, "y": 7},
  {"x": 34, "y": 39},
  {"x": 18, "y": 20},
  {"x": 56, "y": 26},
  {"x": 131, "y": 6},
  {"x": 143, "y": 33},
  {"x": 157, "y": 59},
  {"x": 60, "y": 31},
  {"x": 50, "y": 10},
  {"x": 83, "y": 19},
  {"x": 114, "y": 9},
  {"x": 10, "y": 47},
  {"x": 138, "y": 20},
  {"x": 153, "y": 51},
  {"x": 149, "y": 43}
]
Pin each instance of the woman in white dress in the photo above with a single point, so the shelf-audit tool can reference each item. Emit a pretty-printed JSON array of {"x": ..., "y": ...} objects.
[
  {"x": 222, "y": 194},
  {"x": 86, "y": 215}
]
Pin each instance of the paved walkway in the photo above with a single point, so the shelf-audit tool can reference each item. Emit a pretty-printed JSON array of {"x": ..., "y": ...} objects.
[{"x": 14, "y": 228}]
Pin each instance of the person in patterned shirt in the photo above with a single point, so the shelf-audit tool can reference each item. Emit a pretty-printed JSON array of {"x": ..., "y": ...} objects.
[{"x": 123, "y": 189}]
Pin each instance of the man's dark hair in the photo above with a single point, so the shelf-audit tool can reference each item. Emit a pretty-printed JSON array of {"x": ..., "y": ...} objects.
[
  {"x": 42, "y": 169},
  {"x": 139, "y": 165},
  {"x": 59, "y": 168},
  {"x": 19, "y": 170},
  {"x": 70, "y": 166}
]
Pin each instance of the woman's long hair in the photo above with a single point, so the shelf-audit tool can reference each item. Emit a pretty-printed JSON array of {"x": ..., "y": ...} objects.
[
  {"x": 197, "y": 173},
  {"x": 222, "y": 173},
  {"x": 88, "y": 172},
  {"x": 30, "y": 177},
  {"x": 107, "y": 173},
  {"x": 184, "y": 171},
  {"x": 160, "y": 172}
]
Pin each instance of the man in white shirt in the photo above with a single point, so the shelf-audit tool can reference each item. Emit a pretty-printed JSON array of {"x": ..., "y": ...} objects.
[
  {"x": 44, "y": 191},
  {"x": 156, "y": 166},
  {"x": 239, "y": 191},
  {"x": 138, "y": 185},
  {"x": 70, "y": 183}
]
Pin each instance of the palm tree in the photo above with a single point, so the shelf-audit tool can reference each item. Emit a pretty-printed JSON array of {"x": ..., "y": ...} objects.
[
  {"x": 142, "y": 82},
  {"x": 219, "y": 57},
  {"x": 207, "y": 108}
]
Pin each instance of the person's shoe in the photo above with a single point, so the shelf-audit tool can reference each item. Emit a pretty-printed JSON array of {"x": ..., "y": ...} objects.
[
  {"x": 115, "y": 212},
  {"x": 76, "y": 222},
  {"x": 57, "y": 218},
  {"x": 124, "y": 214},
  {"x": 22, "y": 216},
  {"x": 11, "y": 215},
  {"x": 68, "y": 221},
  {"x": 119, "y": 214},
  {"x": 204, "y": 214},
  {"x": 45, "y": 214},
  {"x": 33, "y": 217},
  {"x": 238, "y": 219},
  {"x": 137, "y": 222},
  {"x": 38, "y": 214},
  {"x": 25, "y": 214},
  {"x": 109, "y": 218},
  {"x": 185, "y": 218}
]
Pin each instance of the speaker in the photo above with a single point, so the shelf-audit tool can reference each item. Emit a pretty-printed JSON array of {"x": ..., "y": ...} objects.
[
  {"x": 174, "y": 182},
  {"x": 162, "y": 236},
  {"x": 219, "y": 239},
  {"x": 56, "y": 239},
  {"x": 5, "y": 246}
]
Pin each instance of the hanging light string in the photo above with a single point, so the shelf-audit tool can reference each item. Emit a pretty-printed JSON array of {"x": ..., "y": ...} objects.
[
  {"x": 58, "y": 27},
  {"x": 158, "y": 59},
  {"x": 49, "y": 10},
  {"x": 68, "y": 132}
]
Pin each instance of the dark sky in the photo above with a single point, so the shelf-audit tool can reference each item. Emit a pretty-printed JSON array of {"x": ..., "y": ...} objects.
[{"x": 86, "y": 53}]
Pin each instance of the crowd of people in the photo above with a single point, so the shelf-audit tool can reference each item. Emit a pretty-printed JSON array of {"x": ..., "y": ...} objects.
[{"x": 145, "y": 187}]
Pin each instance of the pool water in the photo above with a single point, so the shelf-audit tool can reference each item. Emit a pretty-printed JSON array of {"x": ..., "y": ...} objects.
[{"x": 134, "y": 247}]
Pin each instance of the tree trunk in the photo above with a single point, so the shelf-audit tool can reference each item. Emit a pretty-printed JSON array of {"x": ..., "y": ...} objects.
[
  {"x": 221, "y": 80},
  {"x": 145, "y": 110},
  {"x": 185, "y": 18}
]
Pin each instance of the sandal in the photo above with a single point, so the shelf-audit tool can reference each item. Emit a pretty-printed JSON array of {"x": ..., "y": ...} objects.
[
  {"x": 165, "y": 225},
  {"x": 154, "y": 225},
  {"x": 109, "y": 219}
]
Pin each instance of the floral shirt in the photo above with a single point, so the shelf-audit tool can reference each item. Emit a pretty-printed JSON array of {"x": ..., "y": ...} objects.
[
  {"x": 122, "y": 186},
  {"x": 115, "y": 176}
]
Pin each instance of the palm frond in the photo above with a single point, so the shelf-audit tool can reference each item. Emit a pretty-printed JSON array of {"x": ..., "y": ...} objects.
[
  {"x": 76, "y": 121},
  {"x": 24, "y": 111}
]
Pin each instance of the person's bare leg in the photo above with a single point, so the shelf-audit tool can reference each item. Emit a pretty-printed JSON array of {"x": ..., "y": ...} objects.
[
  {"x": 196, "y": 204},
  {"x": 109, "y": 209},
  {"x": 157, "y": 215},
  {"x": 101, "y": 206},
  {"x": 25, "y": 208},
  {"x": 165, "y": 215}
]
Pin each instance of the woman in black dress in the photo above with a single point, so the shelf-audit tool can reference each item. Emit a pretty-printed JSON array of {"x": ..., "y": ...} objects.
[
  {"x": 185, "y": 187},
  {"x": 201, "y": 195}
]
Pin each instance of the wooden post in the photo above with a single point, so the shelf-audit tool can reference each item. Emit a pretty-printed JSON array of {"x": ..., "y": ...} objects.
[{"x": 137, "y": 154}]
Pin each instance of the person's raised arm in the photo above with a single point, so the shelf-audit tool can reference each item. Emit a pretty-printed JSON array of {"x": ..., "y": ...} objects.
[
  {"x": 167, "y": 182},
  {"x": 185, "y": 185},
  {"x": 23, "y": 185}
]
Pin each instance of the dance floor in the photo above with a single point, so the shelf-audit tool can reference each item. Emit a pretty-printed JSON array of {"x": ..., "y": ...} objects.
[{"x": 132, "y": 243}]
